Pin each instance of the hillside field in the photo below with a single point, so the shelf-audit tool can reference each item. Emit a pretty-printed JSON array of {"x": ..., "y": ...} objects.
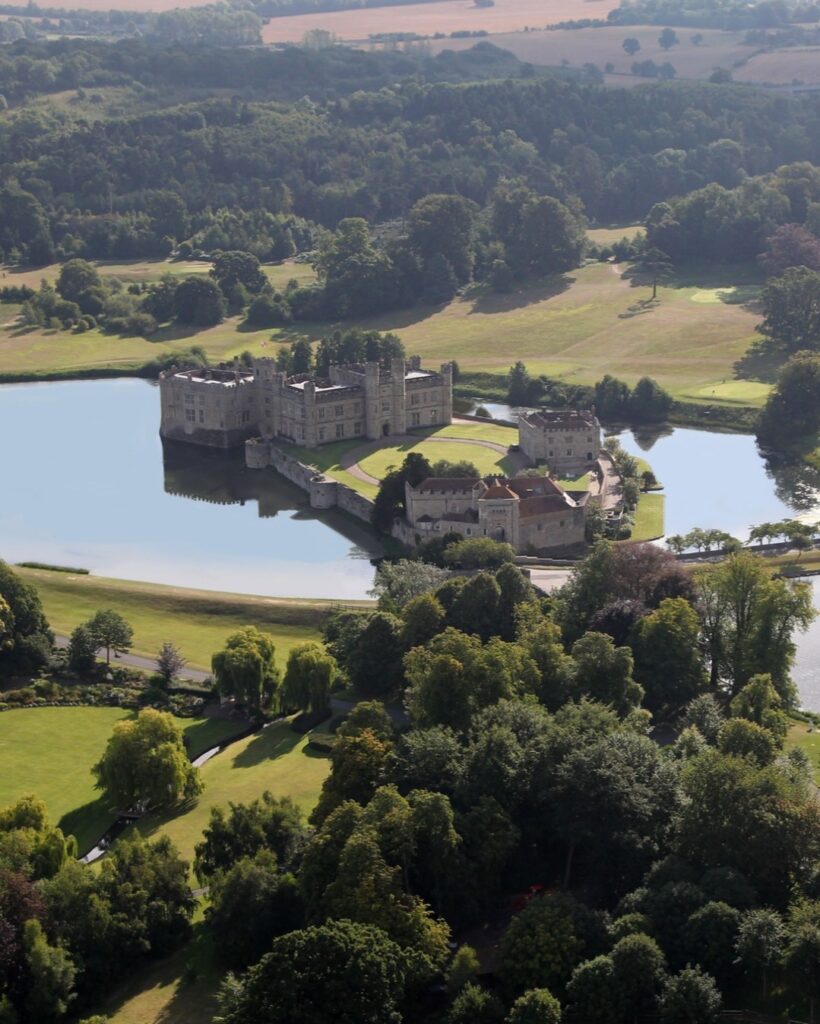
[
  {"x": 576, "y": 326},
  {"x": 197, "y": 621}
]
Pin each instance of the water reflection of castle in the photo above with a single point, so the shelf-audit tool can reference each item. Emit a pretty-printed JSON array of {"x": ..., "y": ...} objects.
[{"x": 221, "y": 478}]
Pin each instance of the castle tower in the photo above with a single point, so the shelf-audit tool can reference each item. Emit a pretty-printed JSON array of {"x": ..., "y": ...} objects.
[
  {"x": 399, "y": 396},
  {"x": 447, "y": 392},
  {"x": 372, "y": 402},
  {"x": 310, "y": 418}
]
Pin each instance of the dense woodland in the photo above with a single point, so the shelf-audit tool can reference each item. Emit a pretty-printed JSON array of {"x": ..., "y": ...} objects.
[{"x": 514, "y": 846}]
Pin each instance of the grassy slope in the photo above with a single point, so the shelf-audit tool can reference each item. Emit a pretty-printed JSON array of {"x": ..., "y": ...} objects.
[
  {"x": 50, "y": 751},
  {"x": 578, "y": 327},
  {"x": 799, "y": 736},
  {"x": 277, "y": 759},
  {"x": 196, "y": 620},
  {"x": 649, "y": 517}
]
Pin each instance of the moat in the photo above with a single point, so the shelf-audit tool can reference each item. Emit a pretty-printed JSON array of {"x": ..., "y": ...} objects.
[{"x": 94, "y": 487}]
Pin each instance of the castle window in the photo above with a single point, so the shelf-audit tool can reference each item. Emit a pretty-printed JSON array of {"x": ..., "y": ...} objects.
[
  {"x": 201, "y": 415},
  {"x": 357, "y": 427},
  {"x": 385, "y": 407},
  {"x": 415, "y": 419},
  {"x": 321, "y": 433},
  {"x": 190, "y": 415},
  {"x": 433, "y": 415},
  {"x": 321, "y": 413},
  {"x": 414, "y": 399},
  {"x": 551, "y": 452},
  {"x": 569, "y": 451},
  {"x": 340, "y": 430},
  {"x": 357, "y": 408},
  {"x": 340, "y": 410},
  {"x": 301, "y": 432}
]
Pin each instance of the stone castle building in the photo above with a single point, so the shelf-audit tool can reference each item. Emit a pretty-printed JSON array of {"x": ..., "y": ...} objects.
[
  {"x": 567, "y": 440},
  {"x": 222, "y": 408},
  {"x": 530, "y": 513}
]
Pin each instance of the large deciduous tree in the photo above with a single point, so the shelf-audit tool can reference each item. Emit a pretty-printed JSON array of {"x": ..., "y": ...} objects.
[
  {"x": 309, "y": 678},
  {"x": 791, "y": 306},
  {"x": 145, "y": 765},
  {"x": 245, "y": 668}
]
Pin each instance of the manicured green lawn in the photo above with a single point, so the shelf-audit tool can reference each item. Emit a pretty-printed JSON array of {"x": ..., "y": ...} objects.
[
  {"x": 277, "y": 759},
  {"x": 808, "y": 741},
  {"x": 486, "y": 460},
  {"x": 606, "y": 236},
  {"x": 649, "y": 517},
  {"x": 50, "y": 751},
  {"x": 577, "y": 327},
  {"x": 473, "y": 429},
  {"x": 327, "y": 460},
  {"x": 198, "y": 621},
  {"x": 578, "y": 483}
]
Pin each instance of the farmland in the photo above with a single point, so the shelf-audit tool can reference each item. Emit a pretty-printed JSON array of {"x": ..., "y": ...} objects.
[
  {"x": 601, "y": 46},
  {"x": 442, "y": 16}
]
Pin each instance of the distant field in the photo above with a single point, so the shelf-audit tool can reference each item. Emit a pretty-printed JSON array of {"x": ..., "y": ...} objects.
[
  {"x": 198, "y": 621},
  {"x": 600, "y": 46},
  {"x": 50, "y": 752},
  {"x": 782, "y": 67},
  {"x": 443, "y": 16},
  {"x": 606, "y": 236}
]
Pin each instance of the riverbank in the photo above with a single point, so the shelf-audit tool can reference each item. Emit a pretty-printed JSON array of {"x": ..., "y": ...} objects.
[{"x": 197, "y": 621}]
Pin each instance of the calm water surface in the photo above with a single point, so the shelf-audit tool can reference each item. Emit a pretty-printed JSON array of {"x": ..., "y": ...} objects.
[{"x": 86, "y": 482}]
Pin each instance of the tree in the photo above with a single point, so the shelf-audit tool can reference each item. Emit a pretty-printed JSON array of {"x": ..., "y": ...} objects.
[
  {"x": 109, "y": 629},
  {"x": 478, "y": 553},
  {"x": 309, "y": 678},
  {"x": 631, "y": 45},
  {"x": 28, "y": 646},
  {"x": 82, "y": 649},
  {"x": 639, "y": 970},
  {"x": 397, "y": 583},
  {"x": 802, "y": 953},
  {"x": 668, "y": 38},
  {"x": 145, "y": 765},
  {"x": 464, "y": 968},
  {"x": 710, "y": 937},
  {"x": 170, "y": 661},
  {"x": 545, "y": 941},
  {"x": 791, "y": 245},
  {"x": 742, "y": 738},
  {"x": 424, "y": 618},
  {"x": 649, "y": 401},
  {"x": 654, "y": 264},
  {"x": 335, "y": 973},
  {"x": 358, "y": 769},
  {"x": 690, "y": 997},
  {"x": 269, "y": 823},
  {"x": 591, "y": 993},
  {"x": 473, "y": 1005},
  {"x": 76, "y": 278},
  {"x": 375, "y": 664},
  {"x": 791, "y": 307},
  {"x": 250, "y": 904},
  {"x": 603, "y": 672},
  {"x": 443, "y": 225},
  {"x": 475, "y": 609},
  {"x": 51, "y": 974},
  {"x": 234, "y": 271},
  {"x": 199, "y": 301},
  {"x": 792, "y": 410},
  {"x": 538, "y": 1006},
  {"x": 245, "y": 668},
  {"x": 519, "y": 385},
  {"x": 760, "y": 942},
  {"x": 667, "y": 661}
]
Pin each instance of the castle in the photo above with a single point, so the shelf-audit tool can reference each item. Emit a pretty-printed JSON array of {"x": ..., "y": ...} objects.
[
  {"x": 222, "y": 408},
  {"x": 532, "y": 513},
  {"x": 566, "y": 440}
]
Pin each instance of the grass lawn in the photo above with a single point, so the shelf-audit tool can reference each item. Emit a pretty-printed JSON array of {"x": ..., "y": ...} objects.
[
  {"x": 578, "y": 483},
  {"x": 328, "y": 458},
  {"x": 800, "y": 736},
  {"x": 649, "y": 517},
  {"x": 486, "y": 460},
  {"x": 606, "y": 236},
  {"x": 198, "y": 621},
  {"x": 50, "y": 752},
  {"x": 473, "y": 429},
  {"x": 277, "y": 759},
  {"x": 576, "y": 327}
]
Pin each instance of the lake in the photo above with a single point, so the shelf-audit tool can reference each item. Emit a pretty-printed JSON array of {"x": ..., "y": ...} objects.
[{"x": 88, "y": 483}]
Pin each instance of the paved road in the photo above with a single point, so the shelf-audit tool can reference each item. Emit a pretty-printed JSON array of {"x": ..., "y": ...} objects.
[{"x": 194, "y": 675}]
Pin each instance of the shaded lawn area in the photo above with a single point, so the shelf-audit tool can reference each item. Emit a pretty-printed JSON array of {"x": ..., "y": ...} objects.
[
  {"x": 649, "y": 517},
  {"x": 50, "y": 752},
  {"x": 807, "y": 739},
  {"x": 197, "y": 621},
  {"x": 277, "y": 759}
]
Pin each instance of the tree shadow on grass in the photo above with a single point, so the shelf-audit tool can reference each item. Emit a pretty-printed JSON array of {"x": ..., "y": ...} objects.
[
  {"x": 760, "y": 362},
  {"x": 273, "y": 742},
  {"x": 639, "y": 308},
  {"x": 488, "y": 302},
  {"x": 87, "y": 823}
]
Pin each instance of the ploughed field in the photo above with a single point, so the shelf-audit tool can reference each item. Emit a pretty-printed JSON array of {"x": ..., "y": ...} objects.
[{"x": 441, "y": 16}]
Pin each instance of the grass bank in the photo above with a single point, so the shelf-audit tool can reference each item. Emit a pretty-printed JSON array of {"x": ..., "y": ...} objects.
[
  {"x": 198, "y": 621},
  {"x": 50, "y": 752},
  {"x": 806, "y": 738}
]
